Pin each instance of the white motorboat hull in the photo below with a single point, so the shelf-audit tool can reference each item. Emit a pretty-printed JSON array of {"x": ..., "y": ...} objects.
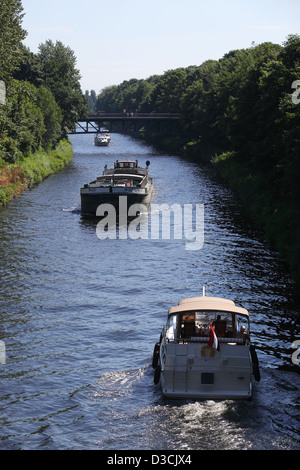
[
  {"x": 195, "y": 370},
  {"x": 102, "y": 140},
  {"x": 103, "y": 143}
]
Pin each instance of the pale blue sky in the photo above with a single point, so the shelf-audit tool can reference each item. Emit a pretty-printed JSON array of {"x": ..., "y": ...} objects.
[{"x": 116, "y": 40}]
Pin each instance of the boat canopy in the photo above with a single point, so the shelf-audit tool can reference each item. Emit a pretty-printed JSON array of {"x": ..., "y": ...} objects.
[
  {"x": 207, "y": 303},
  {"x": 203, "y": 298}
]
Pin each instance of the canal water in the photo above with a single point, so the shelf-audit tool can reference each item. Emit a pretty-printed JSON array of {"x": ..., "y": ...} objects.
[{"x": 80, "y": 316}]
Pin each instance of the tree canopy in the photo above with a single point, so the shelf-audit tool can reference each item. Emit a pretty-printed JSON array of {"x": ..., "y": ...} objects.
[
  {"x": 44, "y": 98},
  {"x": 61, "y": 76},
  {"x": 11, "y": 35}
]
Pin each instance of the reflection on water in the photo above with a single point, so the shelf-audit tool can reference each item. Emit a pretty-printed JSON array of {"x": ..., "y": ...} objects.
[{"x": 80, "y": 316}]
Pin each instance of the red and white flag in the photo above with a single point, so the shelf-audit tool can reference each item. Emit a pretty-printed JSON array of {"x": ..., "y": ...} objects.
[{"x": 213, "y": 340}]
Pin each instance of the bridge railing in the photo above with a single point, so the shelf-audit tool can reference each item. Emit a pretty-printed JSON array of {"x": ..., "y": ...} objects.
[{"x": 103, "y": 114}]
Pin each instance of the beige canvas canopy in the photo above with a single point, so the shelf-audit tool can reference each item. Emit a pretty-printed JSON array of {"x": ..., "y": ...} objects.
[{"x": 207, "y": 303}]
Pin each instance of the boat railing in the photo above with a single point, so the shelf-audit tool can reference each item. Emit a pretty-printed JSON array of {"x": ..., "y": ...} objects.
[{"x": 204, "y": 339}]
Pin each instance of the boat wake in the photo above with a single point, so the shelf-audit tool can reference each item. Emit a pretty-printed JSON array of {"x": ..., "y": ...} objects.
[
  {"x": 74, "y": 209},
  {"x": 160, "y": 421},
  {"x": 118, "y": 383}
]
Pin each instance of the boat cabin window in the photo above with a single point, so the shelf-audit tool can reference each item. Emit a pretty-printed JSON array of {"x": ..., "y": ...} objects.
[
  {"x": 117, "y": 181},
  {"x": 126, "y": 164},
  {"x": 196, "y": 324}
]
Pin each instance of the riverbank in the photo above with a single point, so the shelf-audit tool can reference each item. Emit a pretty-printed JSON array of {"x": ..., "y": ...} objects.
[
  {"x": 273, "y": 208},
  {"x": 18, "y": 177},
  {"x": 270, "y": 203}
]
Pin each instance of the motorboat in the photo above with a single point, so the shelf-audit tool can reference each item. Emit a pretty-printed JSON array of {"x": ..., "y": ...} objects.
[
  {"x": 102, "y": 139},
  {"x": 126, "y": 178},
  {"x": 205, "y": 352}
]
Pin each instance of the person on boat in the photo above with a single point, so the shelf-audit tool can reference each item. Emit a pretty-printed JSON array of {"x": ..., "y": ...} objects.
[{"x": 242, "y": 334}]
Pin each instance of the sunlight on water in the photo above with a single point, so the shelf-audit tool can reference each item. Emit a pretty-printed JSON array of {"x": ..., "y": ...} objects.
[{"x": 80, "y": 317}]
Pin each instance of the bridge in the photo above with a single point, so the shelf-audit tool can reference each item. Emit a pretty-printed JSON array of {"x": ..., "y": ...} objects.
[{"x": 158, "y": 123}]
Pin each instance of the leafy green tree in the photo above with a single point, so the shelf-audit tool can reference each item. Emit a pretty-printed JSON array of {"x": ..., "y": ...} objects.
[
  {"x": 9, "y": 151},
  {"x": 61, "y": 76},
  {"x": 91, "y": 100},
  {"x": 27, "y": 117},
  {"x": 11, "y": 35},
  {"x": 52, "y": 116},
  {"x": 199, "y": 104},
  {"x": 167, "y": 94},
  {"x": 106, "y": 99},
  {"x": 29, "y": 67},
  {"x": 133, "y": 95},
  {"x": 43, "y": 96}
]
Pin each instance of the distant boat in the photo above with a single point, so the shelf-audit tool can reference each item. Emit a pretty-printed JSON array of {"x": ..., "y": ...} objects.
[
  {"x": 106, "y": 132},
  {"x": 102, "y": 139},
  {"x": 126, "y": 178},
  {"x": 205, "y": 352}
]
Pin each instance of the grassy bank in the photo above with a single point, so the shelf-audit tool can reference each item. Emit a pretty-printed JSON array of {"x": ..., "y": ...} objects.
[{"x": 18, "y": 177}]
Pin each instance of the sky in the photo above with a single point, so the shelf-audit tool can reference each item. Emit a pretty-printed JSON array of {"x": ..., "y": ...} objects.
[{"x": 117, "y": 40}]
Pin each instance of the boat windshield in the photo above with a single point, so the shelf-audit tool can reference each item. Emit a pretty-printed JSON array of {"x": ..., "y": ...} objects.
[
  {"x": 126, "y": 164},
  {"x": 197, "y": 324},
  {"x": 117, "y": 180}
]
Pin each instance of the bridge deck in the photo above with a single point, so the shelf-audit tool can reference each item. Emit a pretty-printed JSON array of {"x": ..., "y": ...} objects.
[
  {"x": 125, "y": 115},
  {"x": 128, "y": 122}
]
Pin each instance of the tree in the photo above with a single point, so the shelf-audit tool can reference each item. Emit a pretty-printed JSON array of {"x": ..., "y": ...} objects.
[
  {"x": 61, "y": 76},
  {"x": 91, "y": 100},
  {"x": 52, "y": 117},
  {"x": 26, "y": 117},
  {"x": 29, "y": 68},
  {"x": 168, "y": 92},
  {"x": 11, "y": 35}
]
